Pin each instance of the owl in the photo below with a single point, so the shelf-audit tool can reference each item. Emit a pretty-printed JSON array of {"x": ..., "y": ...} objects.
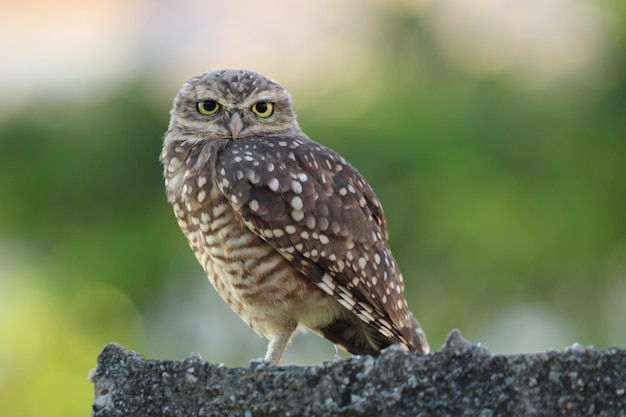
[{"x": 288, "y": 232}]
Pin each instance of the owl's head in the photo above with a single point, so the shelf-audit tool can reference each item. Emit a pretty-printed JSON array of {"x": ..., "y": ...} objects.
[{"x": 231, "y": 104}]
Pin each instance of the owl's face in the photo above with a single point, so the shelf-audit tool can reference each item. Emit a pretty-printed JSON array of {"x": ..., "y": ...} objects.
[{"x": 231, "y": 104}]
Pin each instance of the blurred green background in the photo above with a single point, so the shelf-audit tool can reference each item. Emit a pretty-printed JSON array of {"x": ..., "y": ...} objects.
[{"x": 492, "y": 131}]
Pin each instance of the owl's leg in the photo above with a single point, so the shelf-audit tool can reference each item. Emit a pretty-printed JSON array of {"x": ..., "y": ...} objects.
[{"x": 278, "y": 343}]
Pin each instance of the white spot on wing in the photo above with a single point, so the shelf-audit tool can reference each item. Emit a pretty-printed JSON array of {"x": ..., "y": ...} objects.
[
  {"x": 329, "y": 283},
  {"x": 296, "y": 203},
  {"x": 297, "y": 215},
  {"x": 273, "y": 184},
  {"x": 254, "y": 205}
]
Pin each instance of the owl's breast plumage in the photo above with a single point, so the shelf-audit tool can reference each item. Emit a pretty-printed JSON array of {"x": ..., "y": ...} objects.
[{"x": 255, "y": 280}]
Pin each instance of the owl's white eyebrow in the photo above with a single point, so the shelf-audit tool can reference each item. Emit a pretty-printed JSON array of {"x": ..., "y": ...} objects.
[{"x": 265, "y": 98}]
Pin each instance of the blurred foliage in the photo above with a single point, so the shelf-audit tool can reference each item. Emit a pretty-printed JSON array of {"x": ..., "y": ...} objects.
[
  {"x": 494, "y": 197},
  {"x": 87, "y": 199}
]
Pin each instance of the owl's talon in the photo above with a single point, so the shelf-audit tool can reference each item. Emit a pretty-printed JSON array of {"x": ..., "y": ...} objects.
[{"x": 259, "y": 363}]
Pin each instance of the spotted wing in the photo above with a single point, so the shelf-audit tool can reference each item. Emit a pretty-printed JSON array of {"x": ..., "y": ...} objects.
[{"x": 318, "y": 211}]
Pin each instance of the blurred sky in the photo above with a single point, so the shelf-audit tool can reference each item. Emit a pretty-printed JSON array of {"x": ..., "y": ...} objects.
[{"x": 72, "y": 49}]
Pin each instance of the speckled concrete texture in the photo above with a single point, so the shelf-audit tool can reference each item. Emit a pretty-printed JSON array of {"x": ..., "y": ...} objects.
[{"x": 462, "y": 379}]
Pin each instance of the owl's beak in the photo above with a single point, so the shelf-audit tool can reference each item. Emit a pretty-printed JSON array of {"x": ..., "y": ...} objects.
[{"x": 235, "y": 124}]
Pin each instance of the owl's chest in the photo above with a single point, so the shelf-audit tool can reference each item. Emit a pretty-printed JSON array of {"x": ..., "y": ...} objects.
[
  {"x": 215, "y": 232},
  {"x": 243, "y": 268}
]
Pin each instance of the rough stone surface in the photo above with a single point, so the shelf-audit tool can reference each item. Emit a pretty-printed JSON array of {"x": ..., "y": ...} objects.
[{"x": 460, "y": 380}]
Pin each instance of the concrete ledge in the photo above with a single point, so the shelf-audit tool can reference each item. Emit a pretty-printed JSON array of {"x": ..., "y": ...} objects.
[{"x": 460, "y": 380}]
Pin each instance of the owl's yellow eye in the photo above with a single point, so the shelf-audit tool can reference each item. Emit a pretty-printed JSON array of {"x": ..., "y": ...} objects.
[
  {"x": 263, "y": 108},
  {"x": 208, "y": 107}
]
